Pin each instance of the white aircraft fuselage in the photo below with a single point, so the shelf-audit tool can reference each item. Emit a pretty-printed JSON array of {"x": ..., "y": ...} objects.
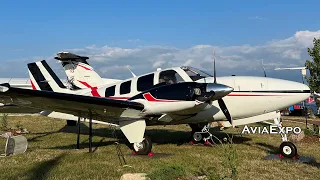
[
  {"x": 251, "y": 96},
  {"x": 180, "y": 95}
]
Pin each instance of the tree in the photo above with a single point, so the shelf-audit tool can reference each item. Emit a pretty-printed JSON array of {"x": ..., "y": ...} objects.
[{"x": 314, "y": 66}]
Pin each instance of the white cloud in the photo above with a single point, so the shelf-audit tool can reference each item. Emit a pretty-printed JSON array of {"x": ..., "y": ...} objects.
[
  {"x": 112, "y": 61},
  {"x": 278, "y": 53},
  {"x": 134, "y": 40},
  {"x": 256, "y": 18}
]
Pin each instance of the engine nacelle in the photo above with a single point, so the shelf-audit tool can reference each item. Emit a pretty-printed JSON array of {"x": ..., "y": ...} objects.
[
  {"x": 180, "y": 98},
  {"x": 166, "y": 107}
]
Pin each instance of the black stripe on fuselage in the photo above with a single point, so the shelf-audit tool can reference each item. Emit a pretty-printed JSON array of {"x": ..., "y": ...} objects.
[
  {"x": 52, "y": 74},
  {"x": 38, "y": 76}
]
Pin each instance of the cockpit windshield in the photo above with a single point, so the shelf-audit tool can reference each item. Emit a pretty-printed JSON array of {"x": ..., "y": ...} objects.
[{"x": 194, "y": 73}]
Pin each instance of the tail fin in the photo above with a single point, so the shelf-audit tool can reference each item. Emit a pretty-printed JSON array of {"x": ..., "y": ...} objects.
[
  {"x": 42, "y": 77},
  {"x": 78, "y": 70}
]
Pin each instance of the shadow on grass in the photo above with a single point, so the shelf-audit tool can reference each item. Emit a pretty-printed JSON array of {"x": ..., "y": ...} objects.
[
  {"x": 161, "y": 136},
  {"x": 39, "y": 135},
  {"x": 315, "y": 164},
  {"x": 102, "y": 132},
  {"x": 265, "y": 147},
  {"x": 85, "y": 145},
  {"x": 269, "y": 148},
  {"x": 41, "y": 170},
  {"x": 158, "y": 136},
  {"x": 275, "y": 150}
]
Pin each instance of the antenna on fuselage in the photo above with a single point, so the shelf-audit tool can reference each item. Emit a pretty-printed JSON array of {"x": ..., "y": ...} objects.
[
  {"x": 264, "y": 70},
  {"x": 214, "y": 66},
  {"x": 134, "y": 75}
]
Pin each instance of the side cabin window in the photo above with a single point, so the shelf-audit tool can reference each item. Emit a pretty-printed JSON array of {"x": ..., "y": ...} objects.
[
  {"x": 170, "y": 77},
  {"x": 125, "y": 87},
  {"x": 110, "y": 91},
  {"x": 145, "y": 82}
]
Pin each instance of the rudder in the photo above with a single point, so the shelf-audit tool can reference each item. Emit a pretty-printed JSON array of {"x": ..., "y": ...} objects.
[
  {"x": 80, "y": 74},
  {"x": 42, "y": 77}
]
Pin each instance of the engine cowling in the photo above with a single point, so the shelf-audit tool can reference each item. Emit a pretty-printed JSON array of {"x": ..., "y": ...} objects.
[{"x": 170, "y": 98}]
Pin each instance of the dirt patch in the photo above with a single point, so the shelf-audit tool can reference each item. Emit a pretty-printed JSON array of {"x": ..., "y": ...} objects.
[{"x": 310, "y": 139}]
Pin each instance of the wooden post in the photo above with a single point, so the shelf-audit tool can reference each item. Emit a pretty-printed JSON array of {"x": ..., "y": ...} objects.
[
  {"x": 90, "y": 132},
  {"x": 319, "y": 132},
  {"x": 78, "y": 135}
]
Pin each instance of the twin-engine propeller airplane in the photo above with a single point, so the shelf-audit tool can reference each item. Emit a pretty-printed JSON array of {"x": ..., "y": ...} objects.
[{"x": 180, "y": 95}]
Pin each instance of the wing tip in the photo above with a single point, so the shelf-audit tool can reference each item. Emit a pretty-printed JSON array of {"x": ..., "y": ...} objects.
[{"x": 4, "y": 87}]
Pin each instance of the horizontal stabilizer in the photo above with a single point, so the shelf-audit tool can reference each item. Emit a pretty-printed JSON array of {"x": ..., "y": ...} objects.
[{"x": 67, "y": 56}]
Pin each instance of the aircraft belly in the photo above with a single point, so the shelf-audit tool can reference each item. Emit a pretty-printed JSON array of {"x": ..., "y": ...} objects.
[{"x": 247, "y": 106}]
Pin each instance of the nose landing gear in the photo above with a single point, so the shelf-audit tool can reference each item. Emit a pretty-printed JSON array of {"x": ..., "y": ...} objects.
[
  {"x": 287, "y": 149},
  {"x": 202, "y": 135}
]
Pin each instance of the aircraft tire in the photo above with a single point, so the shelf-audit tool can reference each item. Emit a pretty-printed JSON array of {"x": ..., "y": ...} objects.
[
  {"x": 288, "y": 149},
  {"x": 143, "y": 148},
  {"x": 195, "y": 135}
]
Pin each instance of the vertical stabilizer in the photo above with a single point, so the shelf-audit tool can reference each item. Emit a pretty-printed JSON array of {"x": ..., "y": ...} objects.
[
  {"x": 43, "y": 78},
  {"x": 80, "y": 73}
]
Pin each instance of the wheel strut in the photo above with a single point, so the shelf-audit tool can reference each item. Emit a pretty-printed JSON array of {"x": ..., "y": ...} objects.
[
  {"x": 90, "y": 132},
  {"x": 78, "y": 133}
]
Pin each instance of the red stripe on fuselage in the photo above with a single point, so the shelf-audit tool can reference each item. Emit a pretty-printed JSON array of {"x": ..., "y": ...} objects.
[
  {"x": 150, "y": 98},
  {"x": 94, "y": 90},
  {"x": 33, "y": 86},
  {"x": 84, "y": 67}
]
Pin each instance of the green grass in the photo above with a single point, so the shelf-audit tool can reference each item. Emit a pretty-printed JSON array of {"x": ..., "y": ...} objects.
[
  {"x": 52, "y": 154},
  {"x": 167, "y": 171}
]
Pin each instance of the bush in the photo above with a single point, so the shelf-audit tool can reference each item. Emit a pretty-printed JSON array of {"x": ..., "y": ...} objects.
[
  {"x": 168, "y": 171},
  {"x": 210, "y": 173},
  {"x": 308, "y": 132},
  {"x": 19, "y": 126},
  {"x": 4, "y": 122},
  {"x": 229, "y": 162}
]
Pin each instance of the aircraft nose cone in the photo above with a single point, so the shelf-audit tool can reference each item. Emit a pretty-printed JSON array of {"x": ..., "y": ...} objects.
[
  {"x": 219, "y": 90},
  {"x": 298, "y": 91},
  {"x": 306, "y": 91},
  {"x": 305, "y": 88}
]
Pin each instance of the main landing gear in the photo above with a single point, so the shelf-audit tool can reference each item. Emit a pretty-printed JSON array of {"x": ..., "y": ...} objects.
[
  {"x": 143, "y": 148},
  {"x": 201, "y": 134},
  {"x": 287, "y": 149}
]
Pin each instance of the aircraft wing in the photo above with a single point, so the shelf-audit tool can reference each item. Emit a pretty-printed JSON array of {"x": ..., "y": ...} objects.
[{"x": 103, "y": 109}]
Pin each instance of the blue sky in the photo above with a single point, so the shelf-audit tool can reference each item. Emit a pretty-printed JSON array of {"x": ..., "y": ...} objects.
[{"x": 31, "y": 29}]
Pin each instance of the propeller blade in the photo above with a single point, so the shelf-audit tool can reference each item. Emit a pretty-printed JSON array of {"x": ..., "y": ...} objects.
[
  {"x": 225, "y": 110},
  {"x": 221, "y": 103},
  {"x": 214, "y": 66}
]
